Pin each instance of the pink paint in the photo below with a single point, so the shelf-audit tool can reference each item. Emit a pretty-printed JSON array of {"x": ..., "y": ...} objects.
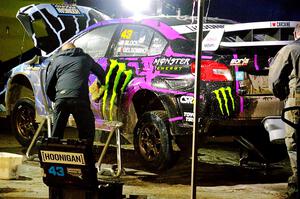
[
  {"x": 174, "y": 119},
  {"x": 255, "y": 63},
  {"x": 237, "y": 86}
]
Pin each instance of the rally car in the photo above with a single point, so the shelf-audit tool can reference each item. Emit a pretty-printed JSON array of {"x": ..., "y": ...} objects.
[{"x": 150, "y": 65}]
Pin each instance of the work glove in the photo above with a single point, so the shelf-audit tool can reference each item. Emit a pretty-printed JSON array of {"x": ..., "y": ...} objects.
[{"x": 97, "y": 90}]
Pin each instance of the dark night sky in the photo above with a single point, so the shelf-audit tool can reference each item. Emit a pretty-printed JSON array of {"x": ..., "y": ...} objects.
[
  {"x": 256, "y": 10},
  {"x": 238, "y": 10}
]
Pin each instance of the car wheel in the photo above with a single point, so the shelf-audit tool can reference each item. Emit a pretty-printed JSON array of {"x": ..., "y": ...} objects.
[
  {"x": 23, "y": 121},
  {"x": 152, "y": 140}
]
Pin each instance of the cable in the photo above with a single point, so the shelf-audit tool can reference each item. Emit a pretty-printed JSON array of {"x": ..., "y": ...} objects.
[
  {"x": 207, "y": 10},
  {"x": 193, "y": 10}
]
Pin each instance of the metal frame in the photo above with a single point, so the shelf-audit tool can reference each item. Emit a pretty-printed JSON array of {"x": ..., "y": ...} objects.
[
  {"x": 113, "y": 127},
  {"x": 37, "y": 133}
]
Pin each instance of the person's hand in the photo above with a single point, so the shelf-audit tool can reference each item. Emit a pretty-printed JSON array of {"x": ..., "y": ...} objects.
[
  {"x": 101, "y": 91},
  {"x": 96, "y": 90}
]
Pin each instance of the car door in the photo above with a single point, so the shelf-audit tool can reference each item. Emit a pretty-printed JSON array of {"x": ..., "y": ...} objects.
[
  {"x": 96, "y": 43},
  {"x": 130, "y": 66}
]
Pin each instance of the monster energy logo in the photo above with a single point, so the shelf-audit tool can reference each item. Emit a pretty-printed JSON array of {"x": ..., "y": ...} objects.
[
  {"x": 222, "y": 91},
  {"x": 116, "y": 81}
]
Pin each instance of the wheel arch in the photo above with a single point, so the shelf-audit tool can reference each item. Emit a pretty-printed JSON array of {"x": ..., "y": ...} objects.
[
  {"x": 18, "y": 87},
  {"x": 155, "y": 101}
]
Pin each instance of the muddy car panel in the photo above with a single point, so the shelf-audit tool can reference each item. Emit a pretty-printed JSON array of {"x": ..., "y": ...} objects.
[
  {"x": 35, "y": 72},
  {"x": 165, "y": 69},
  {"x": 48, "y": 25},
  {"x": 150, "y": 65}
]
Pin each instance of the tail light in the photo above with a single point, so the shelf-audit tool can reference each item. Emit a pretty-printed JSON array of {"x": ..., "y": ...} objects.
[{"x": 213, "y": 71}]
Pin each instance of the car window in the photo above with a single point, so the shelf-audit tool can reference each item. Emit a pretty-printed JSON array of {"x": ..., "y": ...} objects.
[
  {"x": 158, "y": 44},
  {"x": 183, "y": 46},
  {"x": 136, "y": 40},
  {"x": 188, "y": 45},
  {"x": 96, "y": 42}
]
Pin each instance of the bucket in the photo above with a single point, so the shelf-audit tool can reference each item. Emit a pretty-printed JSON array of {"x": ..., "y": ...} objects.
[
  {"x": 275, "y": 127},
  {"x": 9, "y": 163}
]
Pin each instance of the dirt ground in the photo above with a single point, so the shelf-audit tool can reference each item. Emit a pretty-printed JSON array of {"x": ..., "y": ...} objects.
[{"x": 219, "y": 175}]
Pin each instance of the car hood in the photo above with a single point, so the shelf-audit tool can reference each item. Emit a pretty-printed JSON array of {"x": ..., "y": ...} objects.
[{"x": 49, "y": 25}]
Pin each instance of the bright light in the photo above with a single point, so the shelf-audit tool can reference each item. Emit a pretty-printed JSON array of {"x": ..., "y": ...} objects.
[{"x": 136, "y": 6}]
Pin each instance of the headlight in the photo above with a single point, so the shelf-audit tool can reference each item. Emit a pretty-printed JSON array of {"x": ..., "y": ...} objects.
[{"x": 175, "y": 84}]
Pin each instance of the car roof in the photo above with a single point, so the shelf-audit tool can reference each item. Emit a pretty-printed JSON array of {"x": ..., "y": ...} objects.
[
  {"x": 183, "y": 20},
  {"x": 170, "y": 20}
]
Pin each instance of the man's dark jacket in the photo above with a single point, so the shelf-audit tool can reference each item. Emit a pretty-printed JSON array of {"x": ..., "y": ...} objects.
[{"x": 67, "y": 75}]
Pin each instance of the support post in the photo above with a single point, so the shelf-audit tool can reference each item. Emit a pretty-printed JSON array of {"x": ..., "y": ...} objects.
[{"x": 196, "y": 107}]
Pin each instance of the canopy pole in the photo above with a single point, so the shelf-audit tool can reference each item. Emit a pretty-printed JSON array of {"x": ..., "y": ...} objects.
[{"x": 196, "y": 108}]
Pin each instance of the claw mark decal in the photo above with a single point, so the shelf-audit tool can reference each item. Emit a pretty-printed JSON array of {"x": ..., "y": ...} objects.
[
  {"x": 61, "y": 22},
  {"x": 223, "y": 92},
  {"x": 116, "y": 80}
]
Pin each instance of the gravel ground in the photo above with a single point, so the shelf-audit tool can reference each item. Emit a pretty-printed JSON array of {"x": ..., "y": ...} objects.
[{"x": 219, "y": 175}]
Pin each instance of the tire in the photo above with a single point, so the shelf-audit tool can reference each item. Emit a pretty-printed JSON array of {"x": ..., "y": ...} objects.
[
  {"x": 23, "y": 121},
  {"x": 152, "y": 140}
]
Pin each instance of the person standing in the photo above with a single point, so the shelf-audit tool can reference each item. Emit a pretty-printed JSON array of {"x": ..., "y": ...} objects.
[
  {"x": 284, "y": 81},
  {"x": 67, "y": 86}
]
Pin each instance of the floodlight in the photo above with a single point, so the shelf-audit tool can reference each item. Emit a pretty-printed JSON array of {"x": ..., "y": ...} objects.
[{"x": 136, "y": 6}]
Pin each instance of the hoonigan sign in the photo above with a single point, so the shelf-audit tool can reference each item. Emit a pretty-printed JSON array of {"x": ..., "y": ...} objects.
[{"x": 62, "y": 157}]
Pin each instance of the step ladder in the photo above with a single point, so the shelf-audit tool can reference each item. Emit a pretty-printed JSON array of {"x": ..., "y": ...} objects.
[
  {"x": 111, "y": 127},
  {"x": 104, "y": 125}
]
